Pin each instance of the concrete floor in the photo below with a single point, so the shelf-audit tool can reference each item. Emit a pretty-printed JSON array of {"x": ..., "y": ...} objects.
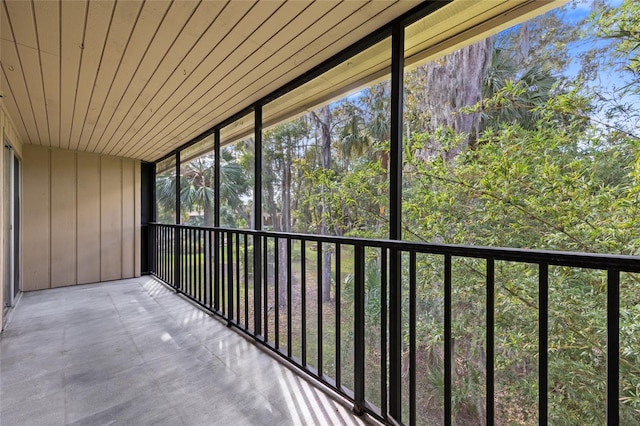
[{"x": 133, "y": 352}]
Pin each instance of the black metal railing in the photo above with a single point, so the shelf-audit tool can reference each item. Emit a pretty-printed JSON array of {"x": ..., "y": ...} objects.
[{"x": 328, "y": 306}]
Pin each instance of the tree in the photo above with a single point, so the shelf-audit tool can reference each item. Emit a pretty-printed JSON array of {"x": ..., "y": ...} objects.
[
  {"x": 197, "y": 188},
  {"x": 280, "y": 148},
  {"x": 455, "y": 82},
  {"x": 323, "y": 120},
  {"x": 166, "y": 197}
]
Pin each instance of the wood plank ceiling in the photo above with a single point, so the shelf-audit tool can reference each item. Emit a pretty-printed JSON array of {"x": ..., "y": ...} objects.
[{"x": 139, "y": 78}]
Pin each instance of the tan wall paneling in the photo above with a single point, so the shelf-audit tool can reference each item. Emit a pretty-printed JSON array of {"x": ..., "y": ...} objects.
[
  {"x": 63, "y": 218},
  {"x": 110, "y": 219},
  {"x": 88, "y": 218},
  {"x": 81, "y": 218},
  {"x": 36, "y": 214},
  {"x": 8, "y": 130},
  {"x": 128, "y": 219}
]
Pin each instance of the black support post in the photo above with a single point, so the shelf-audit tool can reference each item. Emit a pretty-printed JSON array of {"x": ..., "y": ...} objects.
[
  {"x": 147, "y": 216},
  {"x": 395, "y": 225}
]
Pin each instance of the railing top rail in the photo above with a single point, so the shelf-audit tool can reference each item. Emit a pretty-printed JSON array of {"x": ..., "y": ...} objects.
[{"x": 623, "y": 263}]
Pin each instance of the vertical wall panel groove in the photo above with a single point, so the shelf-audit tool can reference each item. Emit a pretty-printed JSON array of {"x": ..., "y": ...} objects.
[
  {"x": 128, "y": 219},
  {"x": 137, "y": 219},
  {"x": 63, "y": 218},
  {"x": 88, "y": 218},
  {"x": 110, "y": 219},
  {"x": 36, "y": 218}
]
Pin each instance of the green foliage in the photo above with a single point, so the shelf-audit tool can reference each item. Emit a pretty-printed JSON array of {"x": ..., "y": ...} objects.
[
  {"x": 622, "y": 25},
  {"x": 567, "y": 186}
]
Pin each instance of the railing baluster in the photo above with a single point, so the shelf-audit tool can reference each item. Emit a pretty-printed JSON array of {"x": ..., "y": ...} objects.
[
  {"x": 395, "y": 335},
  {"x": 359, "y": 330},
  {"x": 185, "y": 282},
  {"x": 246, "y": 281},
  {"x": 543, "y": 343},
  {"x": 303, "y": 287},
  {"x": 276, "y": 284},
  {"x": 448, "y": 353},
  {"x": 175, "y": 265},
  {"x": 490, "y": 409},
  {"x": 160, "y": 252},
  {"x": 216, "y": 270},
  {"x": 177, "y": 257},
  {"x": 195, "y": 262},
  {"x": 165, "y": 254},
  {"x": 154, "y": 246},
  {"x": 265, "y": 297},
  {"x": 185, "y": 262},
  {"x": 319, "y": 293},
  {"x": 289, "y": 313},
  {"x": 229, "y": 277},
  {"x": 412, "y": 338},
  {"x": 613, "y": 346},
  {"x": 237, "y": 279},
  {"x": 383, "y": 330},
  {"x": 338, "y": 319},
  {"x": 257, "y": 285},
  {"x": 208, "y": 270},
  {"x": 199, "y": 289},
  {"x": 190, "y": 262},
  {"x": 224, "y": 276}
]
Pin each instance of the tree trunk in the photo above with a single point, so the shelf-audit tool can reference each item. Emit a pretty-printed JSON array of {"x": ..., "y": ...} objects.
[
  {"x": 325, "y": 125},
  {"x": 455, "y": 82},
  {"x": 285, "y": 225},
  {"x": 208, "y": 213}
]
